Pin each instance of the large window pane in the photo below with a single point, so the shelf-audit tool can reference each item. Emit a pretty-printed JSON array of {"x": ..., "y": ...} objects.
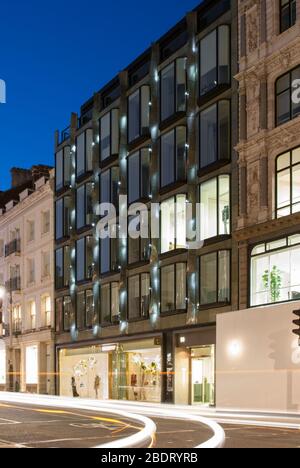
[
  {"x": 80, "y": 260},
  {"x": 209, "y": 206},
  {"x": 89, "y": 312},
  {"x": 80, "y": 155},
  {"x": 134, "y": 116},
  {"x": 286, "y": 109},
  {"x": 224, "y": 277},
  {"x": 134, "y": 304},
  {"x": 105, "y": 304},
  {"x": 224, "y": 205},
  {"x": 208, "y": 136},
  {"x": 67, "y": 313},
  {"x": 181, "y": 302},
  {"x": 145, "y": 294},
  {"x": 168, "y": 289},
  {"x": 168, "y": 226},
  {"x": 168, "y": 92},
  {"x": 105, "y": 150},
  {"x": 89, "y": 262},
  {"x": 80, "y": 208},
  {"x": 59, "y": 234},
  {"x": 288, "y": 183},
  {"x": 59, "y": 173},
  {"x": 208, "y": 63},
  {"x": 134, "y": 177},
  {"x": 181, "y": 222},
  {"x": 59, "y": 269},
  {"x": 115, "y": 307},
  {"x": 167, "y": 159},
  {"x": 208, "y": 279}
]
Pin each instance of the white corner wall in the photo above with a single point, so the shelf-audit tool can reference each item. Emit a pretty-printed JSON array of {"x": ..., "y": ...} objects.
[{"x": 258, "y": 359}]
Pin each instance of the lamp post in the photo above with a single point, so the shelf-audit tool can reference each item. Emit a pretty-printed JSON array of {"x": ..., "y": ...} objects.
[{"x": 3, "y": 294}]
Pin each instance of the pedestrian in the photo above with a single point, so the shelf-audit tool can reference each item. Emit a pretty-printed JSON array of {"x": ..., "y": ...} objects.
[
  {"x": 97, "y": 385},
  {"x": 74, "y": 389}
]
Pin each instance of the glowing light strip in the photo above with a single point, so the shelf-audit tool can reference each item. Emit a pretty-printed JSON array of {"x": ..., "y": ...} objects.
[{"x": 141, "y": 439}]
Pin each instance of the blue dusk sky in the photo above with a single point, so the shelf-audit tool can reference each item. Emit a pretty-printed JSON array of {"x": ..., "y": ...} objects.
[{"x": 55, "y": 54}]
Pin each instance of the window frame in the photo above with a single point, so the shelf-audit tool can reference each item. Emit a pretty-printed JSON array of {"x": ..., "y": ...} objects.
[
  {"x": 281, "y": 8},
  {"x": 177, "y": 180},
  {"x": 65, "y": 183},
  {"x": 277, "y": 172},
  {"x": 176, "y": 112},
  {"x": 87, "y": 278},
  {"x": 219, "y": 86},
  {"x": 138, "y": 91},
  {"x": 141, "y": 316},
  {"x": 86, "y": 214},
  {"x": 219, "y": 161},
  {"x": 85, "y": 325},
  {"x": 110, "y": 285},
  {"x": 62, "y": 249},
  {"x": 217, "y": 304},
  {"x": 86, "y": 172},
  {"x": 65, "y": 235},
  {"x": 175, "y": 311},
  {"x": 142, "y": 258},
  {"x": 134, "y": 153},
  {"x": 111, "y": 194},
  {"x": 104, "y": 161},
  {"x": 176, "y": 249},
  {"x": 277, "y": 95},
  {"x": 217, "y": 178},
  {"x": 268, "y": 251}
]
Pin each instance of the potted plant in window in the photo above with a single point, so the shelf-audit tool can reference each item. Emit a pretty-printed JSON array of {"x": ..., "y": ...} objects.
[{"x": 272, "y": 282}]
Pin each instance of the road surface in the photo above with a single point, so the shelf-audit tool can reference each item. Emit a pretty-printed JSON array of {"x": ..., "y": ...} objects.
[{"x": 26, "y": 426}]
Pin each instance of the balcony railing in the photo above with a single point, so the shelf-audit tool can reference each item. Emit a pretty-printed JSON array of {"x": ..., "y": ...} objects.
[
  {"x": 13, "y": 247},
  {"x": 64, "y": 135},
  {"x": 14, "y": 284}
]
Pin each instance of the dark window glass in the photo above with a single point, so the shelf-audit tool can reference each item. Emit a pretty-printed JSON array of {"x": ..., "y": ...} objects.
[
  {"x": 138, "y": 113},
  {"x": 80, "y": 207},
  {"x": 109, "y": 254},
  {"x": 138, "y": 176},
  {"x": 174, "y": 44},
  {"x": 109, "y": 187},
  {"x": 59, "y": 269},
  {"x": 59, "y": 219},
  {"x": 215, "y": 59},
  {"x": 109, "y": 135},
  {"x": 215, "y": 134},
  {"x": 138, "y": 240},
  {"x": 173, "y": 89},
  {"x": 288, "y": 14},
  {"x": 211, "y": 13},
  {"x": 84, "y": 153},
  {"x": 138, "y": 296},
  {"x": 286, "y": 109},
  {"x": 173, "y": 288},
  {"x": 80, "y": 310},
  {"x": 173, "y": 157},
  {"x": 59, "y": 170},
  {"x": 89, "y": 308},
  {"x": 67, "y": 313},
  {"x": 59, "y": 308},
  {"x": 109, "y": 303},
  {"x": 67, "y": 266},
  {"x": 215, "y": 278},
  {"x": 80, "y": 260},
  {"x": 139, "y": 73}
]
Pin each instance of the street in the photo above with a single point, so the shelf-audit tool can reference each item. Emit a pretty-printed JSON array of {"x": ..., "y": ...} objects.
[{"x": 27, "y": 426}]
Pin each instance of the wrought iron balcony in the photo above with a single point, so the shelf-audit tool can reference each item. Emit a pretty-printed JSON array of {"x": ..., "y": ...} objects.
[
  {"x": 14, "y": 247},
  {"x": 13, "y": 285}
]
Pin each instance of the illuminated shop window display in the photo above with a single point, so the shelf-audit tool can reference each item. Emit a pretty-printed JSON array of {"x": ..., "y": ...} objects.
[
  {"x": 2, "y": 365},
  {"x": 128, "y": 371},
  {"x": 203, "y": 375},
  {"x": 32, "y": 365}
]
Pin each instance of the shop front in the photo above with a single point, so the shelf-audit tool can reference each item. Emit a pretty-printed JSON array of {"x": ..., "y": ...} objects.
[
  {"x": 195, "y": 367},
  {"x": 130, "y": 371}
]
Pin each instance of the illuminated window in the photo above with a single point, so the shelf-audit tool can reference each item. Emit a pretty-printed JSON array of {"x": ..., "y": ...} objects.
[
  {"x": 46, "y": 309},
  {"x": 173, "y": 224},
  {"x": 17, "y": 318},
  {"x": 288, "y": 14},
  {"x": 288, "y": 183},
  {"x": 31, "y": 365},
  {"x": 215, "y": 207},
  {"x": 32, "y": 315},
  {"x": 138, "y": 240},
  {"x": 85, "y": 309},
  {"x": 275, "y": 271}
]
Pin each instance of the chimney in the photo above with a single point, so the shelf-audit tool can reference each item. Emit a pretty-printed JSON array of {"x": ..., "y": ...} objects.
[
  {"x": 40, "y": 171},
  {"x": 19, "y": 176}
]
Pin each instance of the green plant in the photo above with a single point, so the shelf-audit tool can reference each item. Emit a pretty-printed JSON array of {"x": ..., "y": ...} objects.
[{"x": 272, "y": 282}]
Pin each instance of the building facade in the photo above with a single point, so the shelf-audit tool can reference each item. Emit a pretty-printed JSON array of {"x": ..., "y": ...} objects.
[
  {"x": 258, "y": 355},
  {"x": 27, "y": 282},
  {"x": 136, "y": 317}
]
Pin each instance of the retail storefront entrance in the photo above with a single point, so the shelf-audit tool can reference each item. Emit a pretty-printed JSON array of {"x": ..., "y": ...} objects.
[
  {"x": 195, "y": 367},
  {"x": 130, "y": 370}
]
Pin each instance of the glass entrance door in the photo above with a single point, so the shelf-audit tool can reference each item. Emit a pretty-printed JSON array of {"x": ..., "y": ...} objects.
[{"x": 203, "y": 375}]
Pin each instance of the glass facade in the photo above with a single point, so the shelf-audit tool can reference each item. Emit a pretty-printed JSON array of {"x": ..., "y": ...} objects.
[
  {"x": 173, "y": 155},
  {"x": 286, "y": 108},
  {"x": 215, "y": 207},
  {"x": 173, "y": 224},
  {"x": 173, "y": 89},
  {"x": 288, "y": 183}
]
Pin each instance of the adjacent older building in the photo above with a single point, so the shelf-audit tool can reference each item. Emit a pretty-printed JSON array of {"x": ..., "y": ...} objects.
[
  {"x": 135, "y": 318},
  {"x": 26, "y": 280},
  {"x": 258, "y": 354}
]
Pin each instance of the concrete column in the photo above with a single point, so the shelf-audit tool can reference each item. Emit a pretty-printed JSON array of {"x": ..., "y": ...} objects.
[
  {"x": 123, "y": 241},
  {"x": 154, "y": 177},
  {"x": 243, "y": 115},
  {"x": 243, "y": 43},
  {"x": 263, "y": 110},
  {"x": 263, "y": 21}
]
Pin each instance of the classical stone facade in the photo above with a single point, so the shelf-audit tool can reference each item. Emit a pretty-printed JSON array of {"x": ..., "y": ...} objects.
[
  {"x": 26, "y": 281},
  {"x": 265, "y": 55}
]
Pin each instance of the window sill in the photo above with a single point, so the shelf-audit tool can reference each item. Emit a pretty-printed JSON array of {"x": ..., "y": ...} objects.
[
  {"x": 216, "y": 240},
  {"x": 202, "y": 100},
  {"x": 108, "y": 161},
  {"x": 171, "y": 120},
  {"x": 63, "y": 190},
  {"x": 83, "y": 177},
  {"x": 83, "y": 229},
  {"x": 140, "y": 264},
  {"x": 174, "y": 186},
  {"x": 172, "y": 253},
  {"x": 213, "y": 167},
  {"x": 138, "y": 141},
  {"x": 173, "y": 312},
  {"x": 216, "y": 305},
  {"x": 62, "y": 240},
  {"x": 84, "y": 282}
]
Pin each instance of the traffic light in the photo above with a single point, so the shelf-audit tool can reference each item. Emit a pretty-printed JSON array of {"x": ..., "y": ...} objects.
[{"x": 297, "y": 323}]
